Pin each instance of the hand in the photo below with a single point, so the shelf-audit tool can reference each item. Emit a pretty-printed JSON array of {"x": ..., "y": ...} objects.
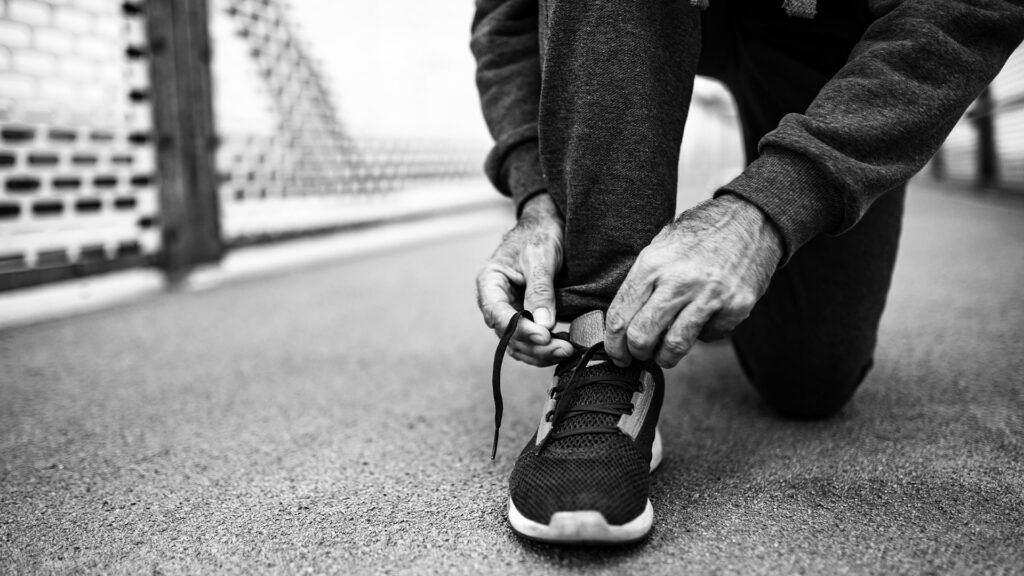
[
  {"x": 700, "y": 277},
  {"x": 521, "y": 274}
]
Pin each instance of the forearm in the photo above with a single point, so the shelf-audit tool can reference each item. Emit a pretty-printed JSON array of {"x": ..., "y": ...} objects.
[
  {"x": 878, "y": 121},
  {"x": 505, "y": 44}
]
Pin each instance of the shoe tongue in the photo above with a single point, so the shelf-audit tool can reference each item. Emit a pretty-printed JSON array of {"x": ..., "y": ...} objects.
[
  {"x": 590, "y": 394},
  {"x": 587, "y": 329}
]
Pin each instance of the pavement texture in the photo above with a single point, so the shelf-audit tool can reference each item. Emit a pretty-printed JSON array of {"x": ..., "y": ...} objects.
[{"x": 338, "y": 420}]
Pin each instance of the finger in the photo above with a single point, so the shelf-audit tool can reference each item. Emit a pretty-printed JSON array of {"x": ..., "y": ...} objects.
[
  {"x": 532, "y": 332},
  {"x": 548, "y": 354},
  {"x": 498, "y": 315},
  {"x": 540, "y": 296},
  {"x": 681, "y": 335},
  {"x": 652, "y": 320},
  {"x": 540, "y": 289},
  {"x": 525, "y": 358},
  {"x": 494, "y": 298},
  {"x": 632, "y": 294}
]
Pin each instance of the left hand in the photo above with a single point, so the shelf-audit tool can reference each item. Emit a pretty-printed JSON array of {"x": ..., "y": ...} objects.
[{"x": 700, "y": 277}]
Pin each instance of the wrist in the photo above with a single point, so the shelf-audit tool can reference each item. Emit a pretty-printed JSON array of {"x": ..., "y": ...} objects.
[
  {"x": 754, "y": 219},
  {"x": 540, "y": 206}
]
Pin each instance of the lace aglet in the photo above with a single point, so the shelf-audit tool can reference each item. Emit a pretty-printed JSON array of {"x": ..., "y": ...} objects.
[{"x": 494, "y": 447}]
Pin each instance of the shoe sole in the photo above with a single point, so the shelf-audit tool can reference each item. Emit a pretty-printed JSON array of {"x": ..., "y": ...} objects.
[{"x": 588, "y": 526}]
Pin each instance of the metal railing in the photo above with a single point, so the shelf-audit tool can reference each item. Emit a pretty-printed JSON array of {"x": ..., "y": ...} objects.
[{"x": 986, "y": 148}]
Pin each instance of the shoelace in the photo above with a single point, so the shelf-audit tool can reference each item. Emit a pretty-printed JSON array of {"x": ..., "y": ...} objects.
[{"x": 564, "y": 392}]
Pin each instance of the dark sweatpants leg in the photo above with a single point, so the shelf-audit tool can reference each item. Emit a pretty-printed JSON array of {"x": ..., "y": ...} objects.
[
  {"x": 810, "y": 340},
  {"x": 617, "y": 80}
]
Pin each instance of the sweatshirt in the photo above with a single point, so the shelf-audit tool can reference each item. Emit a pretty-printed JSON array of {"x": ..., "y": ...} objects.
[{"x": 877, "y": 122}]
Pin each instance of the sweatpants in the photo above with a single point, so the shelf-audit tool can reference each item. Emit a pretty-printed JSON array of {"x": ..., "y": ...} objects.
[{"x": 616, "y": 83}]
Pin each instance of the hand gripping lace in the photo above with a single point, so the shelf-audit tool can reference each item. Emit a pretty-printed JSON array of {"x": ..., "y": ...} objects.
[{"x": 564, "y": 392}]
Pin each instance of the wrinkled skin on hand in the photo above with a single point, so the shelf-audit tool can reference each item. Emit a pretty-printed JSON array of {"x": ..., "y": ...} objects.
[
  {"x": 520, "y": 275},
  {"x": 699, "y": 277}
]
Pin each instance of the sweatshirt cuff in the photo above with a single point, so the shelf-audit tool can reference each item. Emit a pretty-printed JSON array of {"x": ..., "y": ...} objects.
[
  {"x": 522, "y": 174},
  {"x": 513, "y": 165},
  {"x": 794, "y": 193}
]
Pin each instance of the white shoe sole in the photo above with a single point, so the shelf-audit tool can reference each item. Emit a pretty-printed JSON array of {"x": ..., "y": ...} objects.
[{"x": 588, "y": 526}]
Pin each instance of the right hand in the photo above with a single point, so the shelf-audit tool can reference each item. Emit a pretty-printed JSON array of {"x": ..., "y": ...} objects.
[{"x": 520, "y": 275}]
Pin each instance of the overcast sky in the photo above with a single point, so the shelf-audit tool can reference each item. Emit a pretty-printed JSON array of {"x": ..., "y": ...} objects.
[{"x": 399, "y": 67}]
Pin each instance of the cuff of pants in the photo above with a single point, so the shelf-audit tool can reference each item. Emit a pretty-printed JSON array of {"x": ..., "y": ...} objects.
[{"x": 795, "y": 195}]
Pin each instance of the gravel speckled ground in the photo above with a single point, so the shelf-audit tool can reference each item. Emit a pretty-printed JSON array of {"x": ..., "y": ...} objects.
[{"x": 338, "y": 420}]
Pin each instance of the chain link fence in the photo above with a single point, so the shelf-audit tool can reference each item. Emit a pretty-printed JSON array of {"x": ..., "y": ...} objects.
[{"x": 288, "y": 165}]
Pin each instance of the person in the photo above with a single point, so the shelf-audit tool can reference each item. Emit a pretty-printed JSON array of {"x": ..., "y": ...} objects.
[{"x": 840, "y": 103}]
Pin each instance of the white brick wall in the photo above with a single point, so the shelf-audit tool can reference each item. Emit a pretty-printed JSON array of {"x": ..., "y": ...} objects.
[
  {"x": 108, "y": 27},
  {"x": 54, "y": 41},
  {"x": 77, "y": 68},
  {"x": 34, "y": 63},
  {"x": 97, "y": 94},
  {"x": 97, "y": 48},
  {"x": 28, "y": 11},
  {"x": 15, "y": 34},
  {"x": 94, "y": 5},
  {"x": 58, "y": 89},
  {"x": 16, "y": 86},
  {"x": 73, "y": 19},
  {"x": 57, "y": 42}
]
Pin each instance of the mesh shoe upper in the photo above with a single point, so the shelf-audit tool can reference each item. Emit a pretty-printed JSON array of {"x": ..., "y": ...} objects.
[{"x": 609, "y": 473}]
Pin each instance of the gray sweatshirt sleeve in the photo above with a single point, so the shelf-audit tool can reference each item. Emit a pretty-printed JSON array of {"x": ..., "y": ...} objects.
[
  {"x": 881, "y": 118},
  {"x": 505, "y": 44}
]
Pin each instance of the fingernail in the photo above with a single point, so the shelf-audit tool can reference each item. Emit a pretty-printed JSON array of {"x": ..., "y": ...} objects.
[
  {"x": 562, "y": 353},
  {"x": 542, "y": 316},
  {"x": 538, "y": 339}
]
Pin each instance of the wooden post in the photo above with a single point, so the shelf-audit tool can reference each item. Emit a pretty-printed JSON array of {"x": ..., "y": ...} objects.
[
  {"x": 984, "y": 124},
  {"x": 179, "y": 47},
  {"x": 939, "y": 164}
]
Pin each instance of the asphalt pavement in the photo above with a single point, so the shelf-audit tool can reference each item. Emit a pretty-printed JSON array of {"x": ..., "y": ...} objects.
[{"x": 337, "y": 419}]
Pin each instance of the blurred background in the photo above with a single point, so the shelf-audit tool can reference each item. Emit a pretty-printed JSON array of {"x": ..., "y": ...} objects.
[
  {"x": 238, "y": 331},
  {"x": 321, "y": 115}
]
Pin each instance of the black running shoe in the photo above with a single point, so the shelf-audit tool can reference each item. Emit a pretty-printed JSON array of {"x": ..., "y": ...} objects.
[{"x": 584, "y": 478}]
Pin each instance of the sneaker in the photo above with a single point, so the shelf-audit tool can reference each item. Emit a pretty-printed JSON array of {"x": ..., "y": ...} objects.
[{"x": 584, "y": 477}]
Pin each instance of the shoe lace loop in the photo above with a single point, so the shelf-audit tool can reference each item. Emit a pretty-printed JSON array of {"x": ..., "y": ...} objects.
[{"x": 582, "y": 356}]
